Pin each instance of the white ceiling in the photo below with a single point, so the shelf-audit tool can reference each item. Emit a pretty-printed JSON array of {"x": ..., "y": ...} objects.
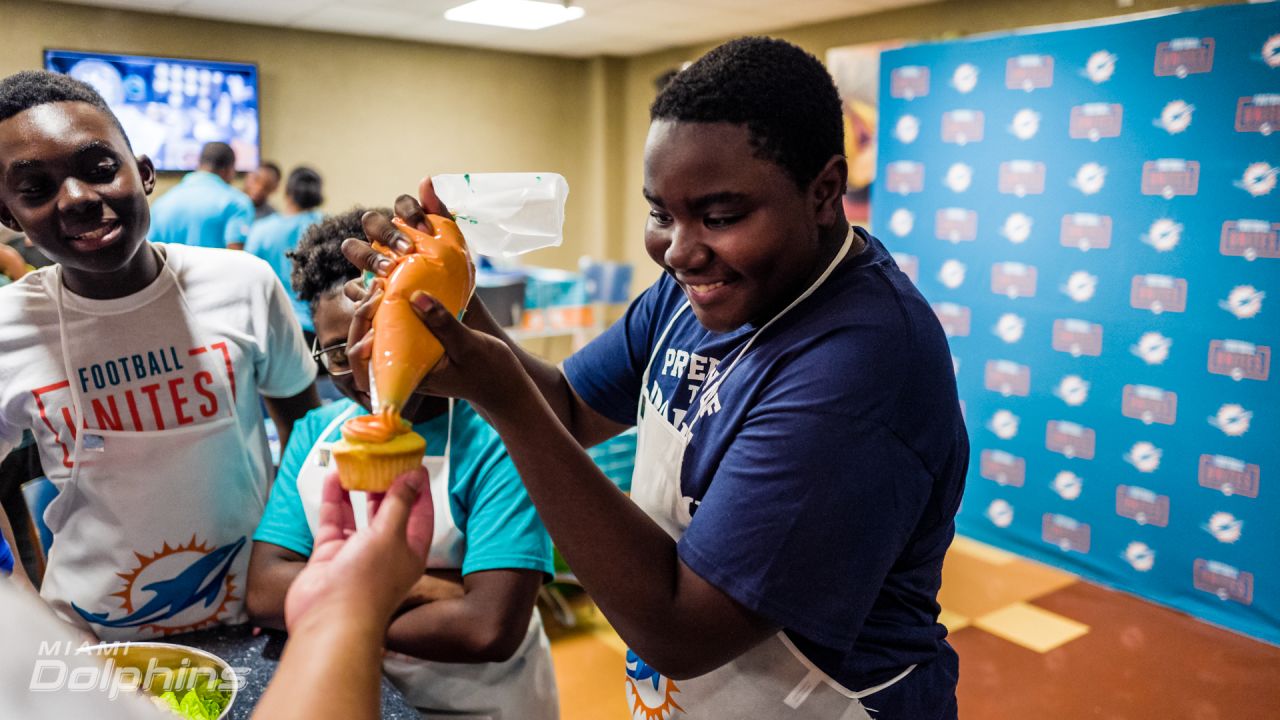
[{"x": 610, "y": 27}]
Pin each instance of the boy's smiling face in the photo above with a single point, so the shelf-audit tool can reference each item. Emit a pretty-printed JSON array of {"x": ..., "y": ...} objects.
[
  {"x": 735, "y": 230},
  {"x": 70, "y": 182}
]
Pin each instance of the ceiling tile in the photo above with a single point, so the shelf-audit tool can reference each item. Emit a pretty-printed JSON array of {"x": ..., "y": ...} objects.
[
  {"x": 364, "y": 20},
  {"x": 423, "y": 7},
  {"x": 257, "y": 12},
  {"x": 614, "y": 27},
  {"x": 144, "y": 5}
]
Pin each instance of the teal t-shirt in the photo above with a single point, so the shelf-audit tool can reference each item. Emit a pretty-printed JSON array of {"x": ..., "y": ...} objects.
[
  {"x": 270, "y": 239},
  {"x": 488, "y": 501},
  {"x": 201, "y": 210}
]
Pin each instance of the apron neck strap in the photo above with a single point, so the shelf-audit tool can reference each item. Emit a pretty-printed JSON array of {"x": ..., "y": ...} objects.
[
  {"x": 54, "y": 286},
  {"x": 715, "y": 377},
  {"x": 448, "y": 434},
  {"x": 644, "y": 379}
]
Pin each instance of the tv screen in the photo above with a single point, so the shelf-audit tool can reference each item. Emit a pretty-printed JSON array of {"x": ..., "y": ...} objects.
[{"x": 171, "y": 107}]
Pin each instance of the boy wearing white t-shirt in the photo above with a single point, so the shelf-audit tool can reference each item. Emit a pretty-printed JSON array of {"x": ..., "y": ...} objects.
[{"x": 138, "y": 369}]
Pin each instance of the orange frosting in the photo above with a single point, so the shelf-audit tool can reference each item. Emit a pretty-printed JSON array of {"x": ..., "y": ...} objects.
[
  {"x": 378, "y": 428},
  {"x": 404, "y": 350}
]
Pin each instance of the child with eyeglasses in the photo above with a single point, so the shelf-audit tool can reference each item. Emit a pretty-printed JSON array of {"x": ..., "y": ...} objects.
[{"x": 467, "y": 639}]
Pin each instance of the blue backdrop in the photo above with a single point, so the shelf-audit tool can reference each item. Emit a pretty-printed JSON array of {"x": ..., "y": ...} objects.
[{"x": 1093, "y": 214}]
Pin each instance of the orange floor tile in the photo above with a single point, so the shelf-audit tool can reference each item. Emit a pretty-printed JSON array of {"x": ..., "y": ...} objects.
[
  {"x": 1000, "y": 584},
  {"x": 590, "y": 674},
  {"x": 1098, "y": 653}
]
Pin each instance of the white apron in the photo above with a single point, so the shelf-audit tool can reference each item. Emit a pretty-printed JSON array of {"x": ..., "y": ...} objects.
[
  {"x": 151, "y": 529},
  {"x": 773, "y": 679},
  {"x": 521, "y": 688}
]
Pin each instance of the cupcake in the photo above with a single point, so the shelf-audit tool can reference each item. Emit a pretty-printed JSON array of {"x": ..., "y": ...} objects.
[{"x": 375, "y": 450}]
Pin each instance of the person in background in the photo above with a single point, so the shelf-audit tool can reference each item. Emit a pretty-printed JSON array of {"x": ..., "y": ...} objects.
[
  {"x": 273, "y": 238},
  {"x": 12, "y": 265},
  {"x": 137, "y": 367},
  {"x": 801, "y": 452},
  {"x": 337, "y": 613},
  {"x": 29, "y": 252},
  {"x": 477, "y": 647},
  {"x": 204, "y": 210},
  {"x": 259, "y": 185}
]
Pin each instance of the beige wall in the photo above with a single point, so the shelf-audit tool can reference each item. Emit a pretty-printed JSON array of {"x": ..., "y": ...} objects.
[
  {"x": 925, "y": 22},
  {"x": 372, "y": 116}
]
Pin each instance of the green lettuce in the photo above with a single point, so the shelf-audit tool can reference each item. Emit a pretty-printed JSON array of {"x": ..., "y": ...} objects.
[{"x": 203, "y": 702}]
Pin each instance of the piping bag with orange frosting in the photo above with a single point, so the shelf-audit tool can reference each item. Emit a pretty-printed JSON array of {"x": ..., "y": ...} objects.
[{"x": 376, "y": 448}]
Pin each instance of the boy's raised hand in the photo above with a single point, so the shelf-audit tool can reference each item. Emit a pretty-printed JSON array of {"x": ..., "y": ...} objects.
[
  {"x": 476, "y": 366},
  {"x": 360, "y": 252},
  {"x": 474, "y": 354},
  {"x": 414, "y": 212}
]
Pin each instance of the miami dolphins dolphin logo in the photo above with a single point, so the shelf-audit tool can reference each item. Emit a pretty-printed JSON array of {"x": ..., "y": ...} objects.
[
  {"x": 907, "y": 129},
  {"x": 1271, "y": 51},
  {"x": 901, "y": 222},
  {"x": 656, "y": 704},
  {"x": 204, "y": 581},
  {"x": 965, "y": 78},
  {"x": 1100, "y": 67},
  {"x": 1025, "y": 124},
  {"x": 1000, "y": 513}
]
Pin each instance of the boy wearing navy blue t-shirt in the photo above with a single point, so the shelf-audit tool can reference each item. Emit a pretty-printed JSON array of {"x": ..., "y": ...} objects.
[{"x": 801, "y": 453}]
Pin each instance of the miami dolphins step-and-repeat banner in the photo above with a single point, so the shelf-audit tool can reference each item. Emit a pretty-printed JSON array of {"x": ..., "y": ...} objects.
[{"x": 1093, "y": 213}]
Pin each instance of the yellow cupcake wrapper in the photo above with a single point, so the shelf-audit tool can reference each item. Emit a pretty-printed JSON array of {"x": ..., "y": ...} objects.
[{"x": 374, "y": 473}]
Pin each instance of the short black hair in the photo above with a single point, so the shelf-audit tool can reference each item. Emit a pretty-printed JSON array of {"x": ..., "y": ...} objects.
[
  {"x": 268, "y": 165},
  {"x": 784, "y": 96},
  {"x": 319, "y": 267},
  {"x": 304, "y": 188},
  {"x": 24, "y": 90},
  {"x": 217, "y": 156},
  {"x": 665, "y": 78}
]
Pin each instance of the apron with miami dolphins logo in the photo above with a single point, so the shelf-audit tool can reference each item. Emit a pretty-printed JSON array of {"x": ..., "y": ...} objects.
[
  {"x": 520, "y": 688},
  {"x": 773, "y": 679},
  {"x": 151, "y": 530}
]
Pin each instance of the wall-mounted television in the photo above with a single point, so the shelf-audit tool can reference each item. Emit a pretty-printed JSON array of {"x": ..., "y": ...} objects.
[{"x": 171, "y": 107}]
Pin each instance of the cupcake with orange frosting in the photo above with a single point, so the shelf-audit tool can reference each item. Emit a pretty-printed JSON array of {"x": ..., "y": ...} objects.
[{"x": 376, "y": 448}]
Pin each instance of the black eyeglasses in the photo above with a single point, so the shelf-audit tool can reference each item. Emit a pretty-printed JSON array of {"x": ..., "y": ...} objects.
[{"x": 332, "y": 358}]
